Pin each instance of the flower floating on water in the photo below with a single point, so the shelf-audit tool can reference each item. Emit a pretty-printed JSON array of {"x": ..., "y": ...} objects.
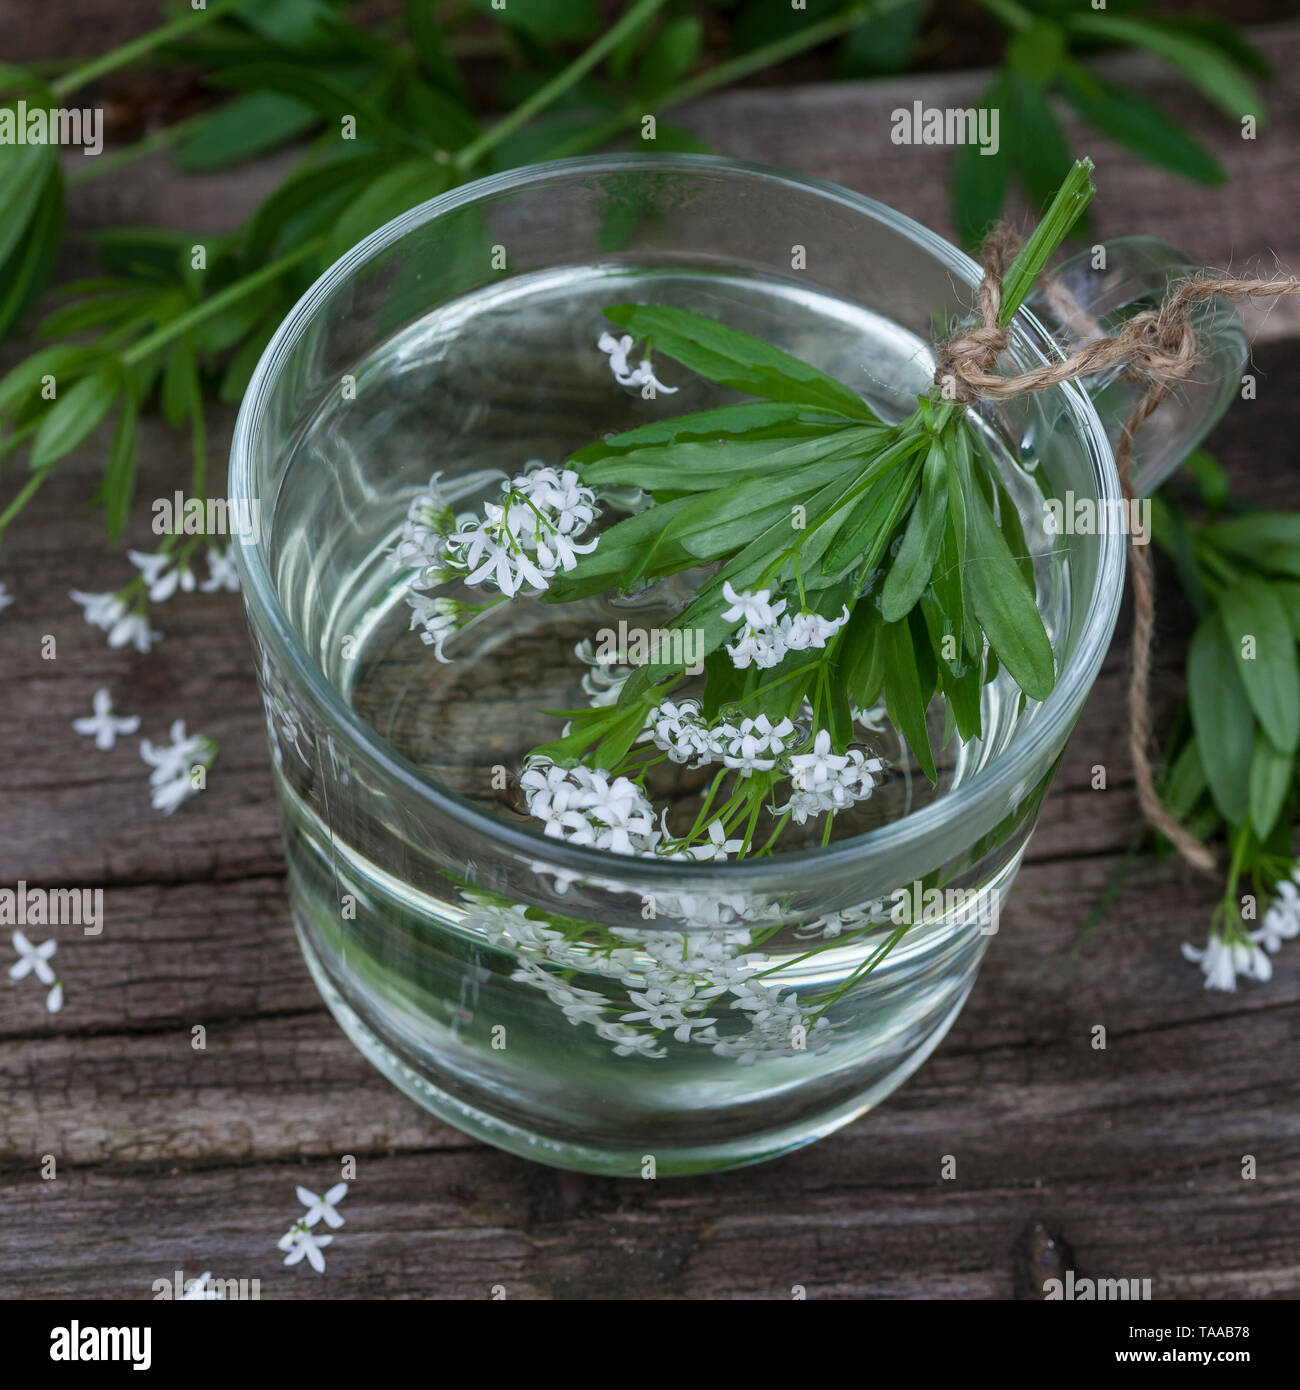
[
  {"x": 104, "y": 725},
  {"x": 617, "y": 349},
  {"x": 585, "y": 806}
]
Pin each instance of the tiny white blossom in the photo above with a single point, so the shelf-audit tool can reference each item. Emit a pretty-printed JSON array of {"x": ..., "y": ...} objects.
[
  {"x": 171, "y": 781},
  {"x": 1281, "y": 921},
  {"x": 301, "y": 1242},
  {"x": 162, "y": 574},
  {"x": 323, "y": 1207},
  {"x": 617, "y": 349},
  {"x": 99, "y": 610},
  {"x": 133, "y": 628},
  {"x": 222, "y": 573},
  {"x": 104, "y": 725},
  {"x": 54, "y": 999},
  {"x": 32, "y": 960},
  {"x": 436, "y": 618},
  {"x": 1222, "y": 962},
  {"x": 753, "y": 609},
  {"x": 196, "y": 1290}
]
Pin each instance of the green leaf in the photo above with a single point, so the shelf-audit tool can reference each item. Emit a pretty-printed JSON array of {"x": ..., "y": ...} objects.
[
  {"x": 1264, "y": 649},
  {"x": 1222, "y": 722},
  {"x": 21, "y": 385},
  {"x": 1205, "y": 66},
  {"x": 731, "y": 423},
  {"x": 922, "y": 537},
  {"x": 905, "y": 699},
  {"x": 1036, "y": 52},
  {"x": 691, "y": 467},
  {"x": 1139, "y": 126},
  {"x": 24, "y": 172},
  {"x": 180, "y": 384},
  {"x": 1287, "y": 592},
  {"x": 1003, "y": 601},
  {"x": 326, "y": 185},
  {"x": 118, "y": 488},
  {"x": 426, "y": 39},
  {"x": 548, "y": 19},
  {"x": 248, "y": 126},
  {"x": 1211, "y": 478},
  {"x": 1271, "y": 775},
  {"x": 1266, "y": 540},
  {"x": 883, "y": 45},
  {"x": 736, "y": 359},
  {"x": 979, "y": 180},
  {"x": 1038, "y": 146},
  {"x": 1184, "y": 783},
  {"x": 391, "y": 194},
  {"x": 27, "y": 271},
  {"x": 327, "y": 97},
  {"x": 71, "y": 417},
  {"x": 672, "y": 53},
  {"x": 439, "y": 119}
]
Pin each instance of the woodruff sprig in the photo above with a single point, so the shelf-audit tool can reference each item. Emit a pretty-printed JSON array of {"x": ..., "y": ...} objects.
[{"x": 854, "y": 560}]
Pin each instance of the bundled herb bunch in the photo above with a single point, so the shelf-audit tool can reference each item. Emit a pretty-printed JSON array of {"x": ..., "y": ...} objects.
[
  {"x": 1232, "y": 763},
  {"x": 842, "y": 561}
]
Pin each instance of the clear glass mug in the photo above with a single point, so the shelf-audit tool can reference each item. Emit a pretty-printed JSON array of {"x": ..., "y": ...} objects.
[{"x": 601, "y": 1012}]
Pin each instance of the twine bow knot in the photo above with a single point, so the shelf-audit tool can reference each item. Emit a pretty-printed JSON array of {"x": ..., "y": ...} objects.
[{"x": 1158, "y": 346}]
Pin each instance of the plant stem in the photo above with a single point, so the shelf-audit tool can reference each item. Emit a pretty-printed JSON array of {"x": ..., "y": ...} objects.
[
  {"x": 1066, "y": 208},
  {"x": 632, "y": 19},
  {"x": 150, "y": 144},
  {"x": 163, "y": 335},
  {"x": 137, "y": 48}
]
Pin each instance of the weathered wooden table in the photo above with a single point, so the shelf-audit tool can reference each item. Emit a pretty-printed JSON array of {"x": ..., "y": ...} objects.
[{"x": 169, "y": 1158}]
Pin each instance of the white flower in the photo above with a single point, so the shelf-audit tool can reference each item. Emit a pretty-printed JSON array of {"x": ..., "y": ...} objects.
[
  {"x": 54, "y": 999},
  {"x": 718, "y": 846},
  {"x": 583, "y": 806},
  {"x": 873, "y": 719},
  {"x": 6, "y": 598},
  {"x": 819, "y": 768},
  {"x": 606, "y": 677},
  {"x": 1281, "y": 921},
  {"x": 318, "y": 1207},
  {"x": 624, "y": 373},
  {"x": 437, "y": 619},
  {"x": 133, "y": 628},
  {"x": 1221, "y": 962},
  {"x": 222, "y": 573},
  {"x": 196, "y": 1290},
  {"x": 100, "y": 610},
  {"x": 755, "y": 745},
  {"x": 678, "y": 729},
  {"x": 171, "y": 781},
  {"x": 162, "y": 574},
  {"x": 299, "y": 1242},
  {"x": 104, "y": 724},
  {"x": 32, "y": 960},
  {"x": 763, "y": 646},
  {"x": 804, "y": 630},
  {"x": 752, "y": 609}
]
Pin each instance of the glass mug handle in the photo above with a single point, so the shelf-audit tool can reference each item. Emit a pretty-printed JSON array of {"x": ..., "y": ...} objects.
[{"x": 1101, "y": 288}]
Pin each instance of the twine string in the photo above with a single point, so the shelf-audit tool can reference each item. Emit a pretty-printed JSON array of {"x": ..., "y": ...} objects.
[{"x": 1159, "y": 347}]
